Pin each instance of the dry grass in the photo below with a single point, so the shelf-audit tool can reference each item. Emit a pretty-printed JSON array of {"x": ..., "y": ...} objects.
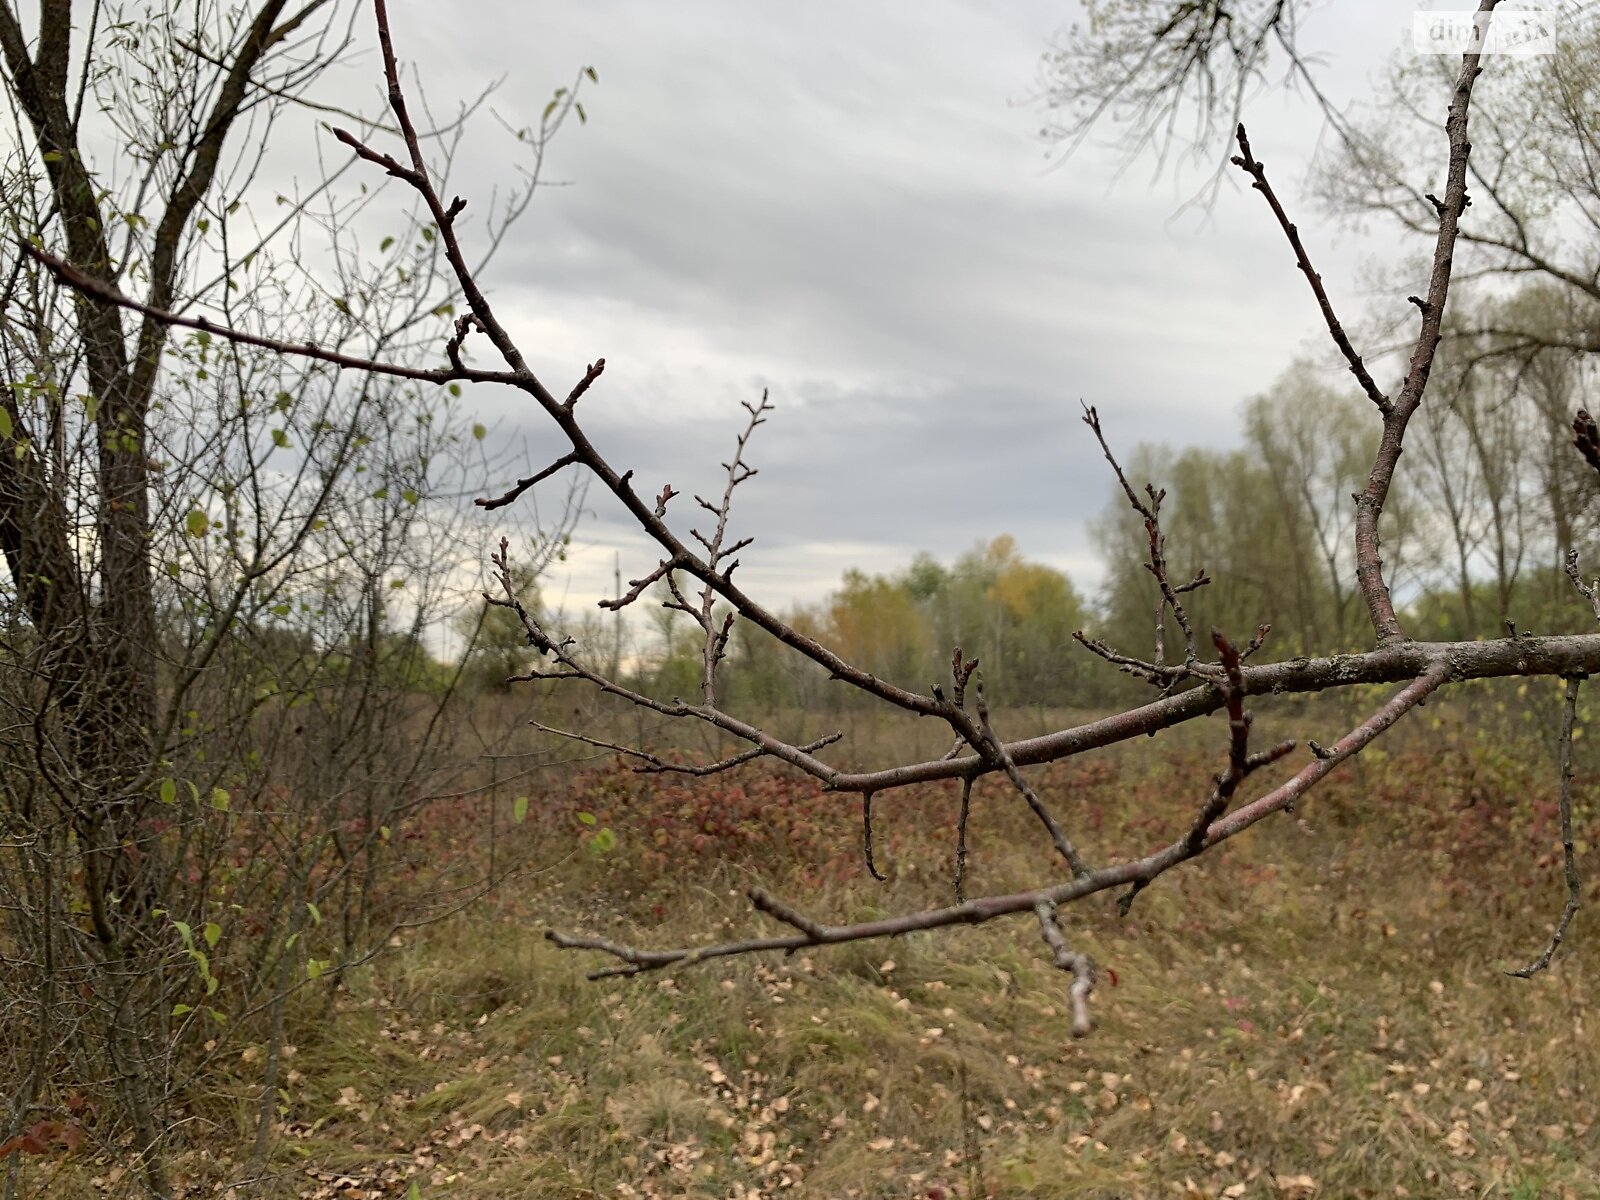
[{"x": 1317, "y": 1010}]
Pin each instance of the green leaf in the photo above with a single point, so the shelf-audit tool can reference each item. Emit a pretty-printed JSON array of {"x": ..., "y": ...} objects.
[
  {"x": 603, "y": 841},
  {"x": 169, "y": 791},
  {"x": 593, "y": 78},
  {"x": 583, "y": 117},
  {"x": 479, "y": 432},
  {"x": 179, "y": 1009},
  {"x": 219, "y": 799},
  {"x": 185, "y": 933},
  {"x": 212, "y": 933},
  {"x": 384, "y": 245},
  {"x": 5, "y": 424},
  {"x": 316, "y": 913},
  {"x": 427, "y": 233},
  {"x": 410, "y": 496},
  {"x": 587, "y": 818},
  {"x": 455, "y": 390},
  {"x": 197, "y": 523},
  {"x": 519, "y": 809},
  {"x": 343, "y": 306},
  {"x": 313, "y": 969},
  {"x": 413, "y": 1192},
  {"x": 280, "y": 439}
]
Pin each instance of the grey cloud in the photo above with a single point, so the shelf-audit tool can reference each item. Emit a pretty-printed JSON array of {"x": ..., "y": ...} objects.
[{"x": 846, "y": 203}]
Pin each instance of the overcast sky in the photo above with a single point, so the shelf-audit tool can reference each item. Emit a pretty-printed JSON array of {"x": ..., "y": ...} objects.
[{"x": 849, "y": 204}]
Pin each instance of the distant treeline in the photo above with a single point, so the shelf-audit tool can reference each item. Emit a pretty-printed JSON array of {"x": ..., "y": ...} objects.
[{"x": 1487, "y": 502}]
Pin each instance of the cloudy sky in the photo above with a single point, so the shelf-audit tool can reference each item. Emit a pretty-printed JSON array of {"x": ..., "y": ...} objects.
[{"x": 849, "y": 204}]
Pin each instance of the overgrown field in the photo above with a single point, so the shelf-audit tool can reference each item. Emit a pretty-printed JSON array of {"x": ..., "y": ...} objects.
[{"x": 1318, "y": 1009}]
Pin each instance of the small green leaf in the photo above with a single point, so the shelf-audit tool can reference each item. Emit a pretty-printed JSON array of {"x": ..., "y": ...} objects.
[
  {"x": 413, "y": 1192},
  {"x": 583, "y": 117},
  {"x": 219, "y": 799},
  {"x": 593, "y": 78},
  {"x": 519, "y": 809},
  {"x": 479, "y": 432},
  {"x": 342, "y": 305},
  {"x": 198, "y": 523},
  {"x": 212, "y": 933},
  {"x": 455, "y": 390},
  {"x": 313, "y": 969},
  {"x": 185, "y": 933},
  {"x": 169, "y": 791},
  {"x": 316, "y": 913},
  {"x": 178, "y": 1010},
  {"x": 384, "y": 245},
  {"x": 410, "y": 496},
  {"x": 603, "y": 841},
  {"x": 587, "y": 818},
  {"x": 5, "y": 424},
  {"x": 280, "y": 439}
]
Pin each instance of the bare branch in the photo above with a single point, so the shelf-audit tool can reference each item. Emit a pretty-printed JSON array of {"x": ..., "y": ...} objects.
[
  {"x": 961, "y": 840},
  {"x": 1248, "y": 163},
  {"x": 1079, "y": 966},
  {"x": 1569, "y": 858},
  {"x": 1157, "y": 565},
  {"x": 995, "y": 748},
  {"x": 522, "y": 485},
  {"x": 636, "y": 587},
  {"x": 989, "y": 908},
  {"x": 97, "y": 289},
  {"x": 1370, "y": 501},
  {"x": 866, "y": 837}
]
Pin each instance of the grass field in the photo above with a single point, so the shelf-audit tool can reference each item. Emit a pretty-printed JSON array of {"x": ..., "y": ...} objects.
[{"x": 1317, "y": 1009}]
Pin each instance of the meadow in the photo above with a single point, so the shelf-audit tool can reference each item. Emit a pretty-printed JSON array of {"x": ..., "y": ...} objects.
[{"x": 1317, "y": 1009}]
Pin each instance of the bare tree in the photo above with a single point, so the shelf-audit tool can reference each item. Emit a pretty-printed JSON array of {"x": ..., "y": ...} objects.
[{"x": 1200, "y": 674}]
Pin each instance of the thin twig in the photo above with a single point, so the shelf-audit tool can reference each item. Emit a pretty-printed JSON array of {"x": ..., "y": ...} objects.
[
  {"x": 961, "y": 840},
  {"x": 1248, "y": 163},
  {"x": 1079, "y": 966},
  {"x": 994, "y": 746},
  {"x": 1569, "y": 856}
]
